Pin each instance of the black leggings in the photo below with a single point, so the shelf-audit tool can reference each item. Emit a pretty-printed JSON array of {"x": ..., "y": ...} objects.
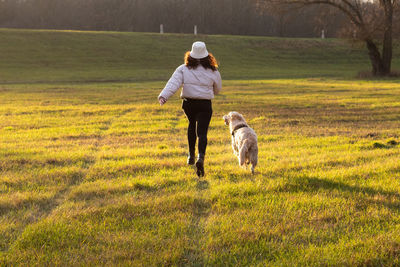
[{"x": 198, "y": 112}]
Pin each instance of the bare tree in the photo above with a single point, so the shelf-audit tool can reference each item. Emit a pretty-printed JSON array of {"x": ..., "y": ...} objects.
[{"x": 373, "y": 20}]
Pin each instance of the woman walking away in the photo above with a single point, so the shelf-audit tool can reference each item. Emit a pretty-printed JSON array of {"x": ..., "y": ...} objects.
[{"x": 201, "y": 80}]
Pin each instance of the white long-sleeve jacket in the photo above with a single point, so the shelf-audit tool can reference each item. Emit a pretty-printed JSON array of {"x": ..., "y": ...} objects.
[{"x": 199, "y": 83}]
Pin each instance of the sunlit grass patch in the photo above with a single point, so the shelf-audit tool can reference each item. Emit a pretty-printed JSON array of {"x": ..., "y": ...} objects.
[
  {"x": 45, "y": 241},
  {"x": 118, "y": 227},
  {"x": 92, "y": 175}
]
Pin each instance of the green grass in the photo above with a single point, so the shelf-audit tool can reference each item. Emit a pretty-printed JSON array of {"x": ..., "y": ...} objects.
[
  {"x": 60, "y": 56},
  {"x": 94, "y": 173}
]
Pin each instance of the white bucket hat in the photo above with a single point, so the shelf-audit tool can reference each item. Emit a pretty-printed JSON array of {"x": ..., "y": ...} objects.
[{"x": 199, "y": 50}]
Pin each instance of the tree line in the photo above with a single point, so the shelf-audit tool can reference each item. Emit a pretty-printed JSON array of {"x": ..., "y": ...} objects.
[{"x": 238, "y": 17}]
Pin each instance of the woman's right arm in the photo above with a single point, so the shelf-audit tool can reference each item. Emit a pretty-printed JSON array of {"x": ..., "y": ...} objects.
[{"x": 174, "y": 83}]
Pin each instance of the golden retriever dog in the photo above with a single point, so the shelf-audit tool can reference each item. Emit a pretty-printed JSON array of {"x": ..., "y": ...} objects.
[{"x": 244, "y": 140}]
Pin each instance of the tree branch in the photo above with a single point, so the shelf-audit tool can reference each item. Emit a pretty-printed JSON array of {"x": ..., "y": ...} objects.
[{"x": 353, "y": 17}]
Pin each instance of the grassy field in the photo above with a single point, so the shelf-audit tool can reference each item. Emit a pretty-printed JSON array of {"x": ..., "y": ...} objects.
[
  {"x": 28, "y": 56},
  {"x": 94, "y": 172}
]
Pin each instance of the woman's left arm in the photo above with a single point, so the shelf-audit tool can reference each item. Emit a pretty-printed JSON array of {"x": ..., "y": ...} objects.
[{"x": 217, "y": 83}]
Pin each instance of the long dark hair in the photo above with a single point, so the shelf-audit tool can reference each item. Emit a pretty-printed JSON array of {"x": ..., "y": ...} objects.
[{"x": 208, "y": 62}]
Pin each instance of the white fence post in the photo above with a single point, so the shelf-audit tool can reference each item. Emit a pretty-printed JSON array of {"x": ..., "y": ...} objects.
[
  {"x": 161, "y": 28},
  {"x": 323, "y": 34},
  {"x": 195, "y": 29}
]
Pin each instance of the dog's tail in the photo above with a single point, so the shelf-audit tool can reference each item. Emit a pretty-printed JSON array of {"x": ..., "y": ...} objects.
[{"x": 243, "y": 151}]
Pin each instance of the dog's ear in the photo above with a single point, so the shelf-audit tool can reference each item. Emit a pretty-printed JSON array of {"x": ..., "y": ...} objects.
[
  {"x": 226, "y": 119},
  {"x": 235, "y": 116}
]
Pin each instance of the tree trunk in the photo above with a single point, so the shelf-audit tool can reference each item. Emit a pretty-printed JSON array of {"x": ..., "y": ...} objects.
[
  {"x": 387, "y": 39},
  {"x": 376, "y": 59},
  {"x": 381, "y": 65}
]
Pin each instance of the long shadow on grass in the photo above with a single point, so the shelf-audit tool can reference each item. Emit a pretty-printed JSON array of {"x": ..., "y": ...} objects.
[
  {"x": 193, "y": 254},
  {"x": 233, "y": 177},
  {"x": 365, "y": 195}
]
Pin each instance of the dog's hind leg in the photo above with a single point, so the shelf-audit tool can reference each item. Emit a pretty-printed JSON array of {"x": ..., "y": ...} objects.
[
  {"x": 253, "y": 166},
  {"x": 253, "y": 153}
]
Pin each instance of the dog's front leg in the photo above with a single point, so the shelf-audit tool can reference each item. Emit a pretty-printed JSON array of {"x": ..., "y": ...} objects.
[{"x": 234, "y": 148}]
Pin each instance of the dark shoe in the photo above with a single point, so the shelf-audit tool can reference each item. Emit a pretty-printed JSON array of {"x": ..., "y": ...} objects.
[
  {"x": 190, "y": 160},
  {"x": 200, "y": 165}
]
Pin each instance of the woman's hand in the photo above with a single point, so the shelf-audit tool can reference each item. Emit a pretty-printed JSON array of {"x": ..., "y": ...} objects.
[{"x": 162, "y": 100}]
